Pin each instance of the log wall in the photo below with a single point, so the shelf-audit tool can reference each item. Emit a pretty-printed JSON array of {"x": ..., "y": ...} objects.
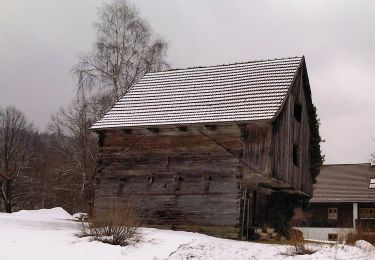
[{"x": 177, "y": 176}]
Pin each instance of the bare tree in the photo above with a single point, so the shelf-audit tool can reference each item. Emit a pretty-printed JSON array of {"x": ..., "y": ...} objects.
[
  {"x": 75, "y": 147},
  {"x": 16, "y": 155},
  {"x": 125, "y": 50}
]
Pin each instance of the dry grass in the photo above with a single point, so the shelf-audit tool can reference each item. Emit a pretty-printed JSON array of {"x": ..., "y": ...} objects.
[
  {"x": 118, "y": 226},
  {"x": 299, "y": 244},
  {"x": 352, "y": 237},
  {"x": 362, "y": 232}
]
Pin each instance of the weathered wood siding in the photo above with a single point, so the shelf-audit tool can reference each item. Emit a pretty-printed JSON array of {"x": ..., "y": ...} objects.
[
  {"x": 256, "y": 157},
  {"x": 177, "y": 176},
  {"x": 287, "y": 132}
]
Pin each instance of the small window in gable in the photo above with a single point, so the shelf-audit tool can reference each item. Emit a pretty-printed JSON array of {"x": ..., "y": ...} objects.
[
  {"x": 332, "y": 213},
  {"x": 298, "y": 111},
  {"x": 295, "y": 155},
  {"x": 372, "y": 184}
]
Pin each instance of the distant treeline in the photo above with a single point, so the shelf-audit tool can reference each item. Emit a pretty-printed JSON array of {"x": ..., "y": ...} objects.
[{"x": 43, "y": 170}]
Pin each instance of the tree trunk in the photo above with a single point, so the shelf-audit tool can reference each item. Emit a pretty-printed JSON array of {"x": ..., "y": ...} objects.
[
  {"x": 8, "y": 207},
  {"x": 6, "y": 195}
]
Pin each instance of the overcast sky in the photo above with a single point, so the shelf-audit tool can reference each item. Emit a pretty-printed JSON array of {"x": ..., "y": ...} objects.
[{"x": 40, "y": 41}]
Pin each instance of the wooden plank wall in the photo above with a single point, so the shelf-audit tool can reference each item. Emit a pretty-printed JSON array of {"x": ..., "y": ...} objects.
[
  {"x": 288, "y": 131},
  {"x": 177, "y": 176},
  {"x": 257, "y": 140}
]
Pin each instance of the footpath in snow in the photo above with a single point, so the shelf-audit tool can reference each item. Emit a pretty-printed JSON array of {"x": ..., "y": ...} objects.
[{"x": 51, "y": 234}]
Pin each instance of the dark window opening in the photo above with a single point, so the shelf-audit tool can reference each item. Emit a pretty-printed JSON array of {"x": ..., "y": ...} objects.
[
  {"x": 296, "y": 155},
  {"x": 101, "y": 139},
  {"x": 332, "y": 237},
  {"x": 297, "y": 111},
  {"x": 150, "y": 179}
]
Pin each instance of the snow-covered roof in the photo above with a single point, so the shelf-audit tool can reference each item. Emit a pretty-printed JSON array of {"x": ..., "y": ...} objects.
[
  {"x": 246, "y": 91},
  {"x": 344, "y": 183}
]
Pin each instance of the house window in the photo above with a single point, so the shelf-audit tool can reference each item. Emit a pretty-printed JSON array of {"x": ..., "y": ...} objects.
[
  {"x": 297, "y": 111},
  {"x": 296, "y": 155},
  {"x": 332, "y": 213},
  {"x": 372, "y": 184},
  {"x": 366, "y": 212},
  {"x": 332, "y": 237}
]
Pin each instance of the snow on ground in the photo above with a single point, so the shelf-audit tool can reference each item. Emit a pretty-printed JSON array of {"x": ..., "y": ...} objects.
[
  {"x": 50, "y": 234},
  {"x": 43, "y": 214}
]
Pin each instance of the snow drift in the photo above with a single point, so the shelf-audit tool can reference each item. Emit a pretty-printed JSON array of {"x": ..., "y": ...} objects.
[{"x": 43, "y": 214}]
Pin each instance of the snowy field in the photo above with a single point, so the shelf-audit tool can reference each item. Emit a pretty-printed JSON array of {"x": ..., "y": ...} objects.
[{"x": 50, "y": 234}]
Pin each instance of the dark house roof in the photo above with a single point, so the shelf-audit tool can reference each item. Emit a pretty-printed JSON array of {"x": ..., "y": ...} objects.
[
  {"x": 225, "y": 93},
  {"x": 345, "y": 183}
]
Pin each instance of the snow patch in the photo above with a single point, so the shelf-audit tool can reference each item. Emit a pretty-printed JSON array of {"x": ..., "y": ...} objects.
[
  {"x": 364, "y": 245},
  {"x": 81, "y": 216},
  {"x": 42, "y": 214}
]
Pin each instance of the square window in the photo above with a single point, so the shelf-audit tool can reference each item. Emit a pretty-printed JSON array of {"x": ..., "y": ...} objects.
[
  {"x": 332, "y": 237},
  {"x": 332, "y": 213}
]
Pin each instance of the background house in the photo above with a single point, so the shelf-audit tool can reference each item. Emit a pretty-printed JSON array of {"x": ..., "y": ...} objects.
[
  {"x": 343, "y": 200},
  {"x": 203, "y": 148}
]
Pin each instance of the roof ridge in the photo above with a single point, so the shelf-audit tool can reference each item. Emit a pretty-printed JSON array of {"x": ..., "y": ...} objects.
[{"x": 227, "y": 64}]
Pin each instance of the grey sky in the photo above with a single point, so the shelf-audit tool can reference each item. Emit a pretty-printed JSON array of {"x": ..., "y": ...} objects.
[{"x": 40, "y": 41}]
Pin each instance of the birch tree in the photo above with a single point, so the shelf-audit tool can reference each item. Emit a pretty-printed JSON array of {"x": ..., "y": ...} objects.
[{"x": 125, "y": 49}]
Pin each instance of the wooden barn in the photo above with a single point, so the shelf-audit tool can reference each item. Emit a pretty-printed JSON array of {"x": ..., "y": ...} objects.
[{"x": 203, "y": 148}]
